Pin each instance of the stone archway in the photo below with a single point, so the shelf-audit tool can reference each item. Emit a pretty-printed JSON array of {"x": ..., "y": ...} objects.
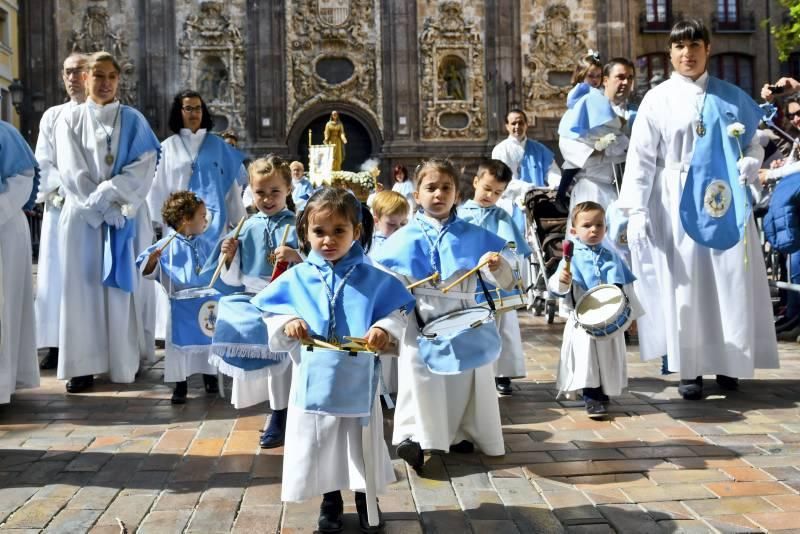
[{"x": 363, "y": 137}]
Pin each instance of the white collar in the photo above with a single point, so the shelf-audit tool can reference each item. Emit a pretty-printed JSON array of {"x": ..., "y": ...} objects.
[
  {"x": 186, "y": 132},
  {"x": 101, "y": 107},
  {"x": 520, "y": 142},
  {"x": 700, "y": 83}
]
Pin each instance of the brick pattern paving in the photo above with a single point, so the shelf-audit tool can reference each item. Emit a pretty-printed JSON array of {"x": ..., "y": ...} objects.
[{"x": 123, "y": 455}]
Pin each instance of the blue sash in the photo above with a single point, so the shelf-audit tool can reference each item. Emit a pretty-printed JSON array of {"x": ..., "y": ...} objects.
[
  {"x": 536, "y": 160},
  {"x": 136, "y": 139},
  {"x": 714, "y": 207}
]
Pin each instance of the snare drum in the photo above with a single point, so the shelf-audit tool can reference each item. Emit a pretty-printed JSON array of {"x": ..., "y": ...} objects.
[
  {"x": 504, "y": 301},
  {"x": 336, "y": 382},
  {"x": 603, "y": 310},
  {"x": 460, "y": 341},
  {"x": 194, "y": 316}
]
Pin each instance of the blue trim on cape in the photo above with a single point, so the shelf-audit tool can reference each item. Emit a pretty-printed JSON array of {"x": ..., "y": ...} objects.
[
  {"x": 592, "y": 266},
  {"x": 497, "y": 221},
  {"x": 590, "y": 111}
]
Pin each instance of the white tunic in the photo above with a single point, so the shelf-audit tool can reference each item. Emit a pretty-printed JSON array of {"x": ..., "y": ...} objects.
[
  {"x": 102, "y": 329},
  {"x": 511, "y": 151},
  {"x": 18, "y": 362},
  {"x": 407, "y": 190},
  {"x": 48, "y": 274},
  {"x": 323, "y": 453},
  {"x": 706, "y": 309}
]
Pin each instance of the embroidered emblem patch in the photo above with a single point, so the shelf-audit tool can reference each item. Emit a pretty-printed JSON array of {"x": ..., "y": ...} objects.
[
  {"x": 717, "y": 198},
  {"x": 207, "y": 317}
]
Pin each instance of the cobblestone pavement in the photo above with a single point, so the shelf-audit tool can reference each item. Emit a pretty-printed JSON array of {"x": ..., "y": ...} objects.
[{"x": 123, "y": 455}]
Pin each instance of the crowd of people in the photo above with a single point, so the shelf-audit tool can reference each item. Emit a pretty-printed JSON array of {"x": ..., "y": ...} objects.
[{"x": 321, "y": 305}]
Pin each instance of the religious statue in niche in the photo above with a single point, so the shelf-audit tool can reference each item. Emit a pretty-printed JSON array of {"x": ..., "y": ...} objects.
[
  {"x": 453, "y": 70},
  {"x": 212, "y": 80},
  {"x": 334, "y": 135}
]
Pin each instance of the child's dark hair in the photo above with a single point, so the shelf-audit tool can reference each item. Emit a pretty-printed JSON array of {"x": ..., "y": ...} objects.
[
  {"x": 180, "y": 206},
  {"x": 585, "y": 64},
  {"x": 496, "y": 168},
  {"x": 614, "y": 61},
  {"x": 583, "y": 207},
  {"x": 272, "y": 164},
  {"x": 176, "y": 118},
  {"x": 689, "y": 30},
  {"x": 340, "y": 202},
  {"x": 443, "y": 166}
]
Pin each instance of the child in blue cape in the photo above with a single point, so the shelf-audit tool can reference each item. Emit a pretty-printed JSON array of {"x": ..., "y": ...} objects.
[
  {"x": 455, "y": 411},
  {"x": 490, "y": 183},
  {"x": 335, "y": 293},
  {"x": 255, "y": 257},
  {"x": 176, "y": 262},
  {"x": 595, "y": 365}
]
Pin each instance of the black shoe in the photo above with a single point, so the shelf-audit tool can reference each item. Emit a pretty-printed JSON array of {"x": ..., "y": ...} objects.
[
  {"x": 211, "y": 384},
  {"x": 363, "y": 519},
  {"x": 179, "y": 393},
  {"x": 76, "y": 384},
  {"x": 463, "y": 447},
  {"x": 51, "y": 360},
  {"x": 276, "y": 430},
  {"x": 411, "y": 453},
  {"x": 503, "y": 385},
  {"x": 330, "y": 513},
  {"x": 728, "y": 383},
  {"x": 595, "y": 408},
  {"x": 691, "y": 389}
]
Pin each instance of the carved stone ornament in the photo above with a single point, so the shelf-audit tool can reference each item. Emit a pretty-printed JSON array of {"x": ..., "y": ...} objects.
[
  {"x": 95, "y": 35},
  {"x": 213, "y": 63},
  {"x": 557, "y": 44},
  {"x": 451, "y": 83},
  {"x": 334, "y": 50}
]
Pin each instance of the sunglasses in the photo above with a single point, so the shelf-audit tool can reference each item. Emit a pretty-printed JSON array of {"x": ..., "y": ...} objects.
[{"x": 792, "y": 114}]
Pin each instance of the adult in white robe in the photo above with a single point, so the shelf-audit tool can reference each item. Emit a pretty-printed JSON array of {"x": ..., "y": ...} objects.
[
  {"x": 51, "y": 194},
  {"x": 19, "y": 367},
  {"x": 708, "y": 310},
  {"x": 102, "y": 328}
]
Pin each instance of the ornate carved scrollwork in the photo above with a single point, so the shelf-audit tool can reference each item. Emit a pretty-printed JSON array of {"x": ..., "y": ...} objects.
[
  {"x": 330, "y": 30},
  {"x": 96, "y": 34},
  {"x": 556, "y": 45},
  {"x": 451, "y": 82},
  {"x": 213, "y": 62}
]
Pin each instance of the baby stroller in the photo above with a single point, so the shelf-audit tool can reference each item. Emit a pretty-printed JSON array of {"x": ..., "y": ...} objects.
[{"x": 547, "y": 224}]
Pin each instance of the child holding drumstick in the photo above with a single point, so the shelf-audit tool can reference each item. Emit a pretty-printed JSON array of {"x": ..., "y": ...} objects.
[{"x": 593, "y": 364}]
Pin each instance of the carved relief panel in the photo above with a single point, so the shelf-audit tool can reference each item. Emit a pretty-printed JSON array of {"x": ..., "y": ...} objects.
[
  {"x": 334, "y": 55},
  {"x": 452, "y": 73},
  {"x": 96, "y": 32},
  {"x": 554, "y": 39},
  {"x": 212, "y": 54}
]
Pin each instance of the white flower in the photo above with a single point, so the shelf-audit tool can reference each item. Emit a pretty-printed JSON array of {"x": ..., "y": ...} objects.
[
  {"x": 736, "y": 129},
  {"x": 605, "y": 142},
  {"x": 56, "y": 200},
  {"x": 128, "y": 211}
]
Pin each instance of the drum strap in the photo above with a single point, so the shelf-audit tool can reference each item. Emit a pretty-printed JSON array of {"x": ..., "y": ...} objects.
[{"x": 486, "y": 294}]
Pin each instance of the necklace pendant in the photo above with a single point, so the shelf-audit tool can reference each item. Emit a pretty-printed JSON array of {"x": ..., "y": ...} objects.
[
  {"x": 700, "y": 129},
  {"x": 271, "y": 258},
  {"x": 109, "y": 158}
]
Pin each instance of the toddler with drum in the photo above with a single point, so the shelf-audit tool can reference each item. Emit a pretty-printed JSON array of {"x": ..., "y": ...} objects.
[
  {"x": 333, "y": 313},
  {"x": 176, "y": 262},
  {"x": 597, "y": 287}
]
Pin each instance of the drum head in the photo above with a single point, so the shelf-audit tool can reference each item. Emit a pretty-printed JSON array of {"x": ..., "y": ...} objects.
[
  {"x": 600, "y": 305},
  {"x": 194, "y": 292},
  {"x": 456, "y": 321}
]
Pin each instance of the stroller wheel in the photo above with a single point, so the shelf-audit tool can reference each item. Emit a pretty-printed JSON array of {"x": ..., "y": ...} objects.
[
  {"x": 551, "y": 312},
  {"x": 538, "y": 307}
]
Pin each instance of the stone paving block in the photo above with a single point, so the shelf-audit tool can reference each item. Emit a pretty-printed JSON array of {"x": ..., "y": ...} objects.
[
  {"x": 432, "y": 488},
  {"x": 485, "y": 526},
  {"x": 594, "y": 528},
  {"x": 661, "y": 510},
  {"x": 13, "y": 498},
  {"x": 213, "y": 516},
  {"x": 587, "y": 454},
  {"x": 93, "y": 498},
  {"x": 730, "y": 524},
  {"x": 36, "y": 513},
  {"x": 267, "y": 466},
  {"x": 262, "y": 492},
  {"x": 257, "y": 519},
  {"x": 688, "y": 526},
  {"x": 131, "y": 509},
  {"x": 596, "y": 467},
  {"x": 516, "y": 492},
  {"x": 71, "y": 520},
  {"x": 300, "y": 517},
  {"x": 629, "y": 518},
  {"x": 747, "y": 474},
  {"x": 444, "y": 520},
  {"x": 235, "y": 462},
  {"x": 773, "y": 521},
  {"x": 403, "y": 527},
  {"x": 737, "y": 489},
  {"x": 787, "y": 503},
  {"x": 88, "y": 461},
  {"x": 669, "y": 492},
  {"x": 730, "y": 506},
  {"x": 163, "y": 521},
  {"x": 175, "y": 440},
  {"x": 180, "y": 496},
  {"x": 686, "y": 476}
]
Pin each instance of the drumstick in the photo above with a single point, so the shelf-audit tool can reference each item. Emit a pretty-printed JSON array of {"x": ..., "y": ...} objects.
[
  {"x": 218, "y": 271},
  {"x": 432, "y": 278},
  {"x": 469, "y": 273},
  {"x": 566, "y": 248},
  {"x": 173, "y": 236},
  {"x": 319, "y": 343}
]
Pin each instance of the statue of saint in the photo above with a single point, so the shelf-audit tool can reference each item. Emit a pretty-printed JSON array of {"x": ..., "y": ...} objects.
[
  {"x": 334, "y": 135},
  {"x": 454, "y": 83}
]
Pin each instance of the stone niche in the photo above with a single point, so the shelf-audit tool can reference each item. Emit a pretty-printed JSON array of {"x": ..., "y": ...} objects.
[
  {"x": 554, "y": 38},
  {"x": 452, "y": 75},
  {"x": 212, "y": 59},
  {"x": 333, "y": 49},
  {"x": 94, "y": 29}
]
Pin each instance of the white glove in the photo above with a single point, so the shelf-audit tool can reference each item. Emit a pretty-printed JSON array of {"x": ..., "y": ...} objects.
[
  {"x": 619, "y": 147},
  {"x": 114, "y": 217},
  {"x": 98, "y": 201},
  {"x": 748, "y": 170},
  {"x": 637, "y": 229}
]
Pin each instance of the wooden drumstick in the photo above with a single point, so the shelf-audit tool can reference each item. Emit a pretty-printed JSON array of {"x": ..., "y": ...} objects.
[
  {"x": 218, "y": 271},
  {"x": 432, "y": 278},
  {"x": 470, "y": 272},
  {"x": 319, "y": 343},
  {"x": 173, "y": 236}
]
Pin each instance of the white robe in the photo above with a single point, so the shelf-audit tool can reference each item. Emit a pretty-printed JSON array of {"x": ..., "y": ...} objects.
[
  {"x": 437, "y": 410},
  {"x": 173, "y": 173},
  {"x": 586, "y": 361},
  {"x": 324, "y": 453},
  {"x": 511, "y": 151},
  {"x": 707, "y": 310},
  {"x": 18, "y": 361},
  {"x": 406, "y": 189},
  {"x": 275, "y": 386},
  {"x": 48, "y": 274},
  {"x": 102, "y": 329}
]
